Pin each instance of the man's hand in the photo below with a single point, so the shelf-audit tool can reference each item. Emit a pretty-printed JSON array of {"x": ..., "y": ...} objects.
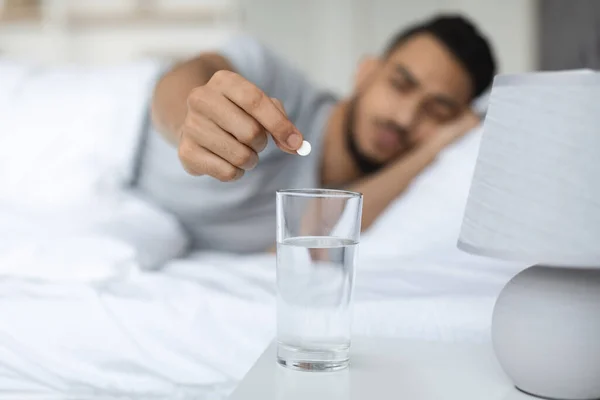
[
  {"x": 382, "y": 188},
  {"x": 454, "y": 130},
  {"x": 226, "y": 126}
]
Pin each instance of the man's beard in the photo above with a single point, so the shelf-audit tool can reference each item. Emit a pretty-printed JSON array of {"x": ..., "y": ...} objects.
[{"x": 365, "y": 164}]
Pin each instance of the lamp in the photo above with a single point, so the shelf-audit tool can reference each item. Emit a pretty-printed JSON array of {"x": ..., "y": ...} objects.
[{"x": 535, "y": 197}]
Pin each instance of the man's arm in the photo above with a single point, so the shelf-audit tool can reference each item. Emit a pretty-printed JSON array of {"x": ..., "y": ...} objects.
[
  {"x": 169, "y": 104},
  {"x": 380, "y": 189},
  {"x": 219, "y": 120}
]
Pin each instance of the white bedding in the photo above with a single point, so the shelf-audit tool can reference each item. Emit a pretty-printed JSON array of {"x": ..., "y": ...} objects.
[
  {"x": 70, "y": 133},
  {"x": 83, "y": 314},
  {"x": 104, "y": 239},
  {"x": 194, "y": 329},
  {"x": 96, "y": 322}
]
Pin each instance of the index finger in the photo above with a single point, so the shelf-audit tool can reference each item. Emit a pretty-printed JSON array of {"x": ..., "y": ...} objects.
[{"x": 256, "y": 103}]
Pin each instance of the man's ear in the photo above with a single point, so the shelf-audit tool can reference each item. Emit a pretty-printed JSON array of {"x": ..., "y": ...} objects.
[{"x": 366, "y": 70}]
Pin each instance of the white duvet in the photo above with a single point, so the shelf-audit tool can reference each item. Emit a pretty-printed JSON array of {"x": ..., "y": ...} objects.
[{"x": 194, "y": 329}]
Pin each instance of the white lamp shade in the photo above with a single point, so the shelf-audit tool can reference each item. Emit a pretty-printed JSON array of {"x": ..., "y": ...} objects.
[{"x": 535, "y": 194}]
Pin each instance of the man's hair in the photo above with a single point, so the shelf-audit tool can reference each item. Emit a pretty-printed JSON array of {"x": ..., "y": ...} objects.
[{"x": 463, "y": 40}]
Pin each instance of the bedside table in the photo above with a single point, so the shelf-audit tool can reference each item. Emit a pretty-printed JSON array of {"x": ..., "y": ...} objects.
[{"x": 387, "y": 369}]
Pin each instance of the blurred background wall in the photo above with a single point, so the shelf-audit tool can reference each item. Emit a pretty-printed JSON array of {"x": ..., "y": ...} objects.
[
  {"x": 109, "y": 31},
  {"x": 325, "y": 38},
  {"x": 569, "y": 34}
]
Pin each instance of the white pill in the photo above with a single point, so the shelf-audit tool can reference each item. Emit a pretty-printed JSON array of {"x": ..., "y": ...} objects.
[{"x": 305, "y": 149}]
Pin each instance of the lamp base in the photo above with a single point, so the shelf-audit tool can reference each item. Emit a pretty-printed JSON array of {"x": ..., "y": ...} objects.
[{"x": 546, "y": 332}]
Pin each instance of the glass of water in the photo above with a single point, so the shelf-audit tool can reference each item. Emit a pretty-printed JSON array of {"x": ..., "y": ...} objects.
[{"x": 317, "y": 239}]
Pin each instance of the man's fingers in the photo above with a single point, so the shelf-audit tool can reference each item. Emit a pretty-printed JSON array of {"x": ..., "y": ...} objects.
[
  {"x": 231, "y": 118},
  {"x": 226, "y": 146},
  {"x": 256, "y": 103},
  {"x": 198, "y": 161},
  {"x": 472, "y": 120},
  {"x": 464, "y": 124},
  {"x": 455, "y": 129},
  {"x": 279, "y": 105}
]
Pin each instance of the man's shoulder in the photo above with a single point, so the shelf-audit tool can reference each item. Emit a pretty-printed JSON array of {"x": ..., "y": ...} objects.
[
  {"x": 243, "y": 44},
  {"x": 250, "y": 57}
]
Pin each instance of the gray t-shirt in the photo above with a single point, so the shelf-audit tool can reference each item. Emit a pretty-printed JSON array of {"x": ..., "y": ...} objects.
[{"x": 240, "y": 216}]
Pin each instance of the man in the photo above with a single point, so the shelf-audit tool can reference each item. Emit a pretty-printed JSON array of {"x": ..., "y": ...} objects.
[{"x": 239, "y": 115}]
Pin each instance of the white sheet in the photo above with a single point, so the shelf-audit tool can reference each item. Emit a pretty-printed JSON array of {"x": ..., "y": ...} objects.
[{"x": 196, "y": 327}]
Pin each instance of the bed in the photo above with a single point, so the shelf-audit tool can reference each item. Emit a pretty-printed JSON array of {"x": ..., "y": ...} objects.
[
  {"x": 192, "y": 329},
  {"x": 100, "y": 298}
]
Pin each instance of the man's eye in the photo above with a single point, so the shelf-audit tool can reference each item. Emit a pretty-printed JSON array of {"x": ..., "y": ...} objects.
[
  {"x": 440, "y": 114},
  {"x": 399, "y": 84}
]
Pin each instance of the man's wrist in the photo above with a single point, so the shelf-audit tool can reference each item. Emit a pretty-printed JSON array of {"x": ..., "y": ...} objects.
[
  {"x": 432, "y": 148},
  {"x": 417, "y": 160}
]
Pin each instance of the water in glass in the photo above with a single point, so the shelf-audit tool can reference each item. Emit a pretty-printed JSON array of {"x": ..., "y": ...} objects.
[{"x": 315, "y": 277}]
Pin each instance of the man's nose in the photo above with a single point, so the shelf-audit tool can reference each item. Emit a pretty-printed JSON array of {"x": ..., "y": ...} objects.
[{"x": 408, "y": 112}]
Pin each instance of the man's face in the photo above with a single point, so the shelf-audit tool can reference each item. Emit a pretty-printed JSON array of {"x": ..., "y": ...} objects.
[{"x": 419, "y": 87}]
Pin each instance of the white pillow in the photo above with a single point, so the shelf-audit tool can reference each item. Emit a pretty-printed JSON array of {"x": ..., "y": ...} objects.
[
  {"x": 12, "y": 74},
  {"x": 70, "y": 132}
]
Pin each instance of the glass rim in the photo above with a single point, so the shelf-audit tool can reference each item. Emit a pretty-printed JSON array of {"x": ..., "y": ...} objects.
[{"x": 323, "y": 193}]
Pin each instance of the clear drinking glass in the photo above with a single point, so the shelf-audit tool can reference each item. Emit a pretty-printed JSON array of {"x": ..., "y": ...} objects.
[{"x": 317, "y": 239}]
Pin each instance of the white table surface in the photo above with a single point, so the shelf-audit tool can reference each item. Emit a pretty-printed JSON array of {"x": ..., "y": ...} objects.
[{"x": 387, "y": 369}]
